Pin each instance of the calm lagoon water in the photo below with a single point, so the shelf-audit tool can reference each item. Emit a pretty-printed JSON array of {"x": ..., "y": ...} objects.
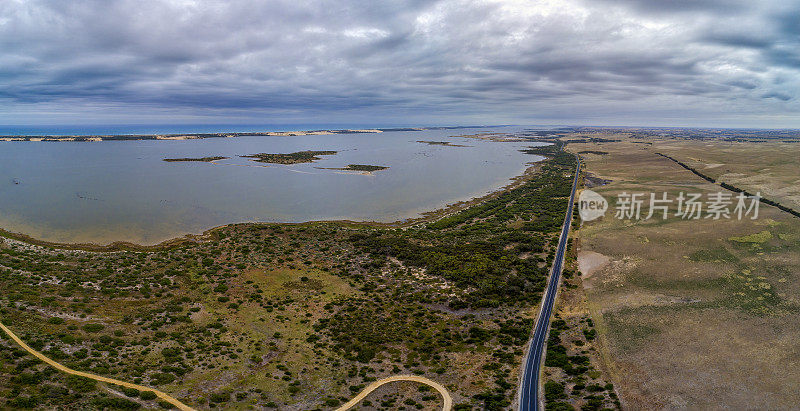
[{"x": 102, "y": 192}]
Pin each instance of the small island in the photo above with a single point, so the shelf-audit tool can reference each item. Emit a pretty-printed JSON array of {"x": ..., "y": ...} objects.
[
  {"x": 203, "y": 159},
  {"x": 440, "y": 143},
  {"x": 307, "y": 156},
  {"x": 356, "y": 167}
]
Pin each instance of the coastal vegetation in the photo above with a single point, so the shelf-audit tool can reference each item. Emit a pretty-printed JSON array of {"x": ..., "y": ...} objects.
[
  {"x": 298, "y": 157},
  {"x": 203, "y": 159},
  {"x": 277, "y": 315},
  {"x": 441, "y": 143},
  {"x": 574, "y": 379},
  {"x": 364, "y": 167},
  {"x": 356, "y": 167}
]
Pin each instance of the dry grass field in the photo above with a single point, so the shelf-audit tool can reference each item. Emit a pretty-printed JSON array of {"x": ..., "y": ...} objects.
[
  {"x": 770, "y": 167},
  {"x": 699, "y": 314}
]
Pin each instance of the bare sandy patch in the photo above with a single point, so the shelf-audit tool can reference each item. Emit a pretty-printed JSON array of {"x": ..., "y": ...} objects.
[{"x": 589, "y": 262}]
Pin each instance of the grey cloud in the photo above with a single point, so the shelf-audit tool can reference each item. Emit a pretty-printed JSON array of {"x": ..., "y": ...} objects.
[
  {"x": 777, "y": 95},
  {"x": 345, "y": 60},
  {"x": 745, "y": 84},
  {"x": 683, "y": 6},
  {"x": 746, "y": 40}
]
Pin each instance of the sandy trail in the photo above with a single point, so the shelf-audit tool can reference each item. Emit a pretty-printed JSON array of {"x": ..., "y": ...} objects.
[
  {"x": 448, "y": 401},
  {"x": 164, "y": 396}
]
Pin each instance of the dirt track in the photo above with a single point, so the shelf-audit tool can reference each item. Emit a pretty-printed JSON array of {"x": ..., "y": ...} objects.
[
  {"x": 164, "y": 396},
  {"x": 448, "y": 401}
]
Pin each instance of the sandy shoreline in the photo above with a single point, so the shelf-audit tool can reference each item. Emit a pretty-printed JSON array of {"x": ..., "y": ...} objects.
[
  {"x": 182, "y": 136},
  {"x": 195, "y": 136}
]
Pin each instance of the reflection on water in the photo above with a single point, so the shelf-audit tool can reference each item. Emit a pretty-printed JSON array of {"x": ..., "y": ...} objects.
[{"x": 108, "y": 191}]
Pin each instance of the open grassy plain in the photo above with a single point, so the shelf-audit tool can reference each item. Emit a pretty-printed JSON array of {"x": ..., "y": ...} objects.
[
  {"x": 770, "y": 167},
  {"x": 698, "y": 314}
]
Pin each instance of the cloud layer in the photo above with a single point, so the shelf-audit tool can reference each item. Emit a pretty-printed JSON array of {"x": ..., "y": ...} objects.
[{"x": 682, "y": 62}]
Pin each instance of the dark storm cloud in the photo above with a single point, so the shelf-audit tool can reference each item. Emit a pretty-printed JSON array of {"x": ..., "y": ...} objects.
[{"x": 398, "y": 62}]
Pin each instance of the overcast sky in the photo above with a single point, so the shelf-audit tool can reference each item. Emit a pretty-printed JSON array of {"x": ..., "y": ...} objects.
[{"x": 606, "y": 62}]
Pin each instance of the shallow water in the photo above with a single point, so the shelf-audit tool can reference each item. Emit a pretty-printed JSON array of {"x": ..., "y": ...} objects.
[{"x": 107, "y": 191}]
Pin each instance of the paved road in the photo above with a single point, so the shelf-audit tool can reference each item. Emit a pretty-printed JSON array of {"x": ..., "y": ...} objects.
[
  {"x": 164, "y": 396},
  {"x": 529, "y": 390},
  {"x": 448, "y": 401}
]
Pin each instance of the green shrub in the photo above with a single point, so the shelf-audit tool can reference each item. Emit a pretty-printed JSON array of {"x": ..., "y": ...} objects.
[
  {"x": 560, "y": 406},
  {"x": 553, "y": 391},
  {"x": 80, "y": 384},
  {"x": 23, "y": 402},
  {"x": 115, "y": 403},
  {"x": 130, "y": 392},
  {"x": 165, "y": 405},
  {"x": 93, "y": 328},
  {"x": 161, "y": 378},
  {"x": 220, "y": 397}
]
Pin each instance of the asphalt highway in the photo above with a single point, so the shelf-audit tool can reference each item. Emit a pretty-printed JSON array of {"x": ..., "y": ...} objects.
[{"x": 529, "y": 389}]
